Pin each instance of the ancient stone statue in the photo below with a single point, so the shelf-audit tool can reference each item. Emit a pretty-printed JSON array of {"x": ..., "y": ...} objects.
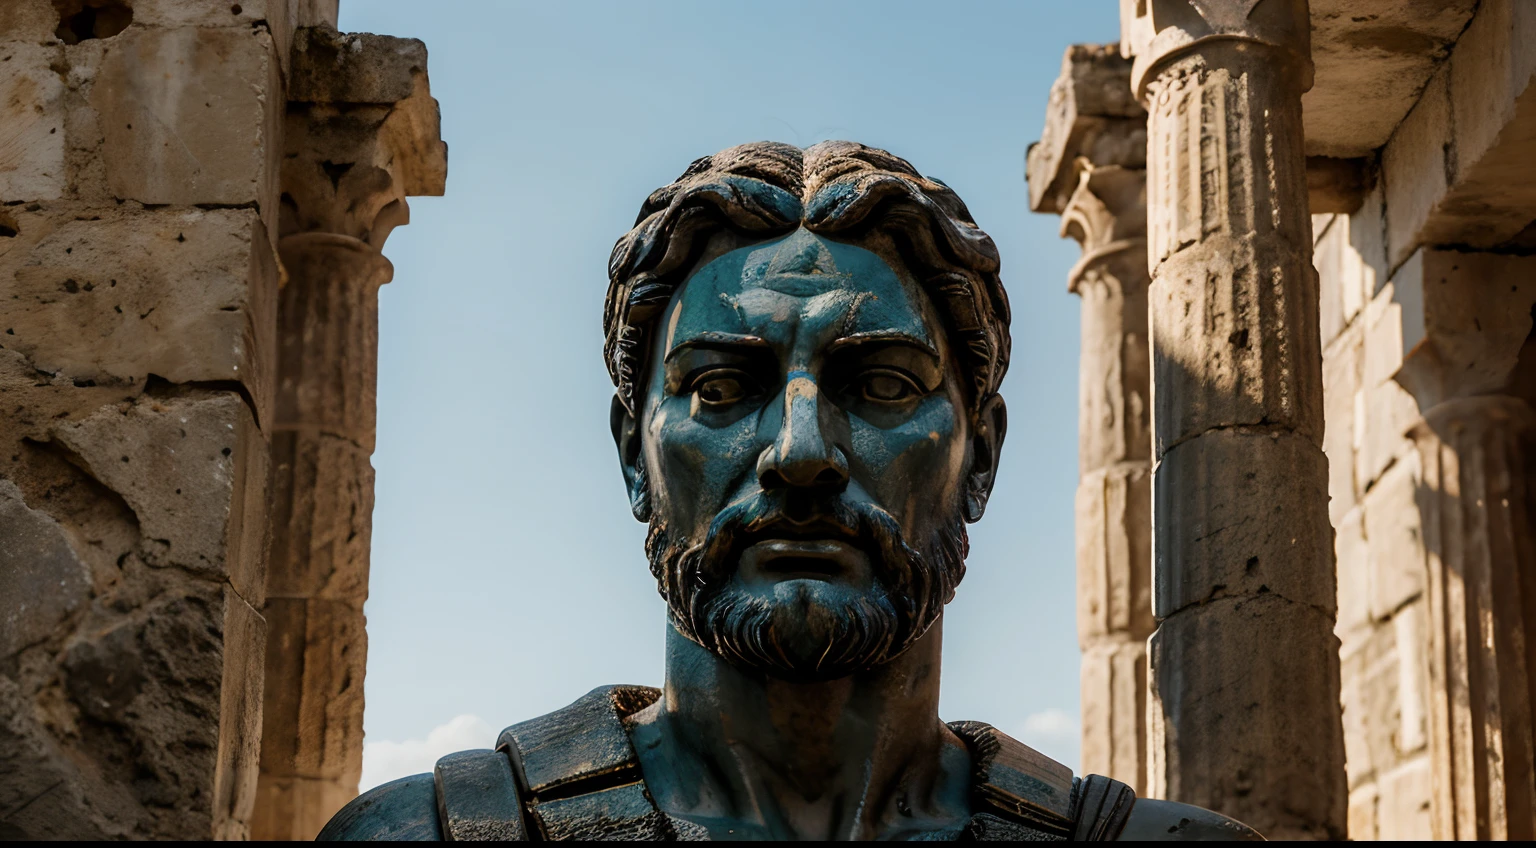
[{"x": 807, "y": 347}]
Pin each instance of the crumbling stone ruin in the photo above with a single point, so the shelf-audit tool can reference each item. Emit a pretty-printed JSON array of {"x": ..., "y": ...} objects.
[
  {"x": 193, "y": 199},
  {"x": 1305, "y": 550}
]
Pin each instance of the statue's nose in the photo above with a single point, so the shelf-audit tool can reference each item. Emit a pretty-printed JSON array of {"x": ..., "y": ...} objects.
[{"x": 802, "y": 456}]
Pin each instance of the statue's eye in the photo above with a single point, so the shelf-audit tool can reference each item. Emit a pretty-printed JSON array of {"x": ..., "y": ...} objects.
[
  {"x": 886, "y": 387},
  {"x": 722, "y": 387}
]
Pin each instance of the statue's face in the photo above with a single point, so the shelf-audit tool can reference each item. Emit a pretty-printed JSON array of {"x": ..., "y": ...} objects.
[{"x": 806, "y": 449}]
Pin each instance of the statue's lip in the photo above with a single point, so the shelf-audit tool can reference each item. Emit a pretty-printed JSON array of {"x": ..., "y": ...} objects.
[{"x": 815, "y": 559}]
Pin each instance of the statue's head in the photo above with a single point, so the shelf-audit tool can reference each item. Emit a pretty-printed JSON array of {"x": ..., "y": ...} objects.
[{"x": 807, "y": 346}]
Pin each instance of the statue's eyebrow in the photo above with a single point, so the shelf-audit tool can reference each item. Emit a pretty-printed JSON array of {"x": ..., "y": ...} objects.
[
  {"x": 712, "y": 340},
  {"x": 884, "y": 337}
]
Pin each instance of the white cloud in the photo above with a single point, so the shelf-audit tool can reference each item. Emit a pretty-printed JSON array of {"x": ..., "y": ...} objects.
[
  {"x": 1052, "y": 723},
  {"x": 384, "y": 760},
  {"x": 1053, "y": 732}
]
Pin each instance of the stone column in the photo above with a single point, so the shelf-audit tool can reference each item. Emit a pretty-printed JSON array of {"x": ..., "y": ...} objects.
[
  {"x": 361, "y": 136},
  {"x": 1245, "y": 717},
  {"x": 1088, "y": 168},
  {"x": 1470, "y": 361},
  {"x": 1107, "y": 215},
  {"x": 1482, "y": 563}
]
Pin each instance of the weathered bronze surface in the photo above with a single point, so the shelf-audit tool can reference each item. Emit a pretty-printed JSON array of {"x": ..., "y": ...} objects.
[{"x": 807, "y": 347}]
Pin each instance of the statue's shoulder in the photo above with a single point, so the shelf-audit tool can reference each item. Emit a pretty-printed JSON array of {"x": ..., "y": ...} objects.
[
  {"x": 569, "y": 774},
  {"x": 1017, "y": 793},
  {"x": 403, "y": 810},
  {"x": 1152, "y": 820},
  {"x": 469, "y": 795}
]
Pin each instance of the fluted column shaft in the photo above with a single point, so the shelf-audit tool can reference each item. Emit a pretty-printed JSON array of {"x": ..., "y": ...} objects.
[
  {"x": 1245, "y": 717},
  {"x": 1107, "y": 215},
  {"x": 323, "y": 435},
  {"x": 1482, "y": 564}
]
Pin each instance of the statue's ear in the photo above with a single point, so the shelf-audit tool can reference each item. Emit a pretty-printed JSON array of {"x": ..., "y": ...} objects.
[
  {"x": 626, "y": 437},
  {"x": 986, "y": 450}
]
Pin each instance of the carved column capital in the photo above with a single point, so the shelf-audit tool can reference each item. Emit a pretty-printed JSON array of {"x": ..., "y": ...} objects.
[
  {"x": 1159, "y": 32},
  {"x": 1474, "y": 417},
  {"x": 1107, "y": 216},
  {"x": 362, "y": 134}
]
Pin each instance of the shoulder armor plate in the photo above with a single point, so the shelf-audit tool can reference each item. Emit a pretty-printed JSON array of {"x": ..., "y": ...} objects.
[
  {"x": 1014, "y": 781},
  {"x": 1017, "y": 793},
  {"x": 477, "y": 798},
  {"x": 571, "y": 774}
]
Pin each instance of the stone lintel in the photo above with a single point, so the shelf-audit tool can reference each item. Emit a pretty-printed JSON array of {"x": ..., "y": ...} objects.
[
  {"x": 1092, "y": 116},
  {"x": 1455, "y": 170},
  {"x": 1373, "y": 58}
]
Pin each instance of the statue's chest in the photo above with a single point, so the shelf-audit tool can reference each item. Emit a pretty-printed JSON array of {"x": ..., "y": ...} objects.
[{"x": 573, "y": 775}]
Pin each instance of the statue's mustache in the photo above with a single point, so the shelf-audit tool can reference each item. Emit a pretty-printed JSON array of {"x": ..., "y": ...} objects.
[{"x": 758, "y": 517}]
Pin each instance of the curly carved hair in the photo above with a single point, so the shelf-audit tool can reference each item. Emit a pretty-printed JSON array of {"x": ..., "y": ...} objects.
[{"x": 838, "y": 189}]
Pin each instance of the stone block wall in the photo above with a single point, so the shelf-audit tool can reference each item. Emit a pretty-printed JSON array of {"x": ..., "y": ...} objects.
[
  {"x": 138, "y": 288},
  {"x": 1426, "y": 301},
  {"x": 149, "y": 323},
  {"x": 1373, "y": 484}
]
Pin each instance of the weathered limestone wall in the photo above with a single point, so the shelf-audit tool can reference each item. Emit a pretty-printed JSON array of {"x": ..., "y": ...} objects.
[
  {"x": 1426, "y": 311},
  {"x": 1374, "y": 485},
  {"x": 169, "y": 285},
  {"x": 138, "y": 285},
  {"x": 1434, "y": 535}
]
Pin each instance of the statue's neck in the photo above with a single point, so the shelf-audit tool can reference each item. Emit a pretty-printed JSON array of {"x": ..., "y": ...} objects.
[{"x": 858, "y": 758}]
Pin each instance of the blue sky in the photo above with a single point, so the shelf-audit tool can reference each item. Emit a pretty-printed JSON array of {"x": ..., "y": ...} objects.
[{"x": 508, "y": 576}]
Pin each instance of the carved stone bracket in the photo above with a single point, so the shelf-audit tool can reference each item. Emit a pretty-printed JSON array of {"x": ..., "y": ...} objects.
[
  {"x": 361, "y": 136},
  {"x": 1466, "y": 317}
]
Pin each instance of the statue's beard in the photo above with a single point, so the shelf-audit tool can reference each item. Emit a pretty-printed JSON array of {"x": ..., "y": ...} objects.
[{"x": 807, "y": 630}]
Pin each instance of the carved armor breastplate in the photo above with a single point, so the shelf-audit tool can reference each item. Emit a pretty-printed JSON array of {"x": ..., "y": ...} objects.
[{"x": 573, "y": 774}]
